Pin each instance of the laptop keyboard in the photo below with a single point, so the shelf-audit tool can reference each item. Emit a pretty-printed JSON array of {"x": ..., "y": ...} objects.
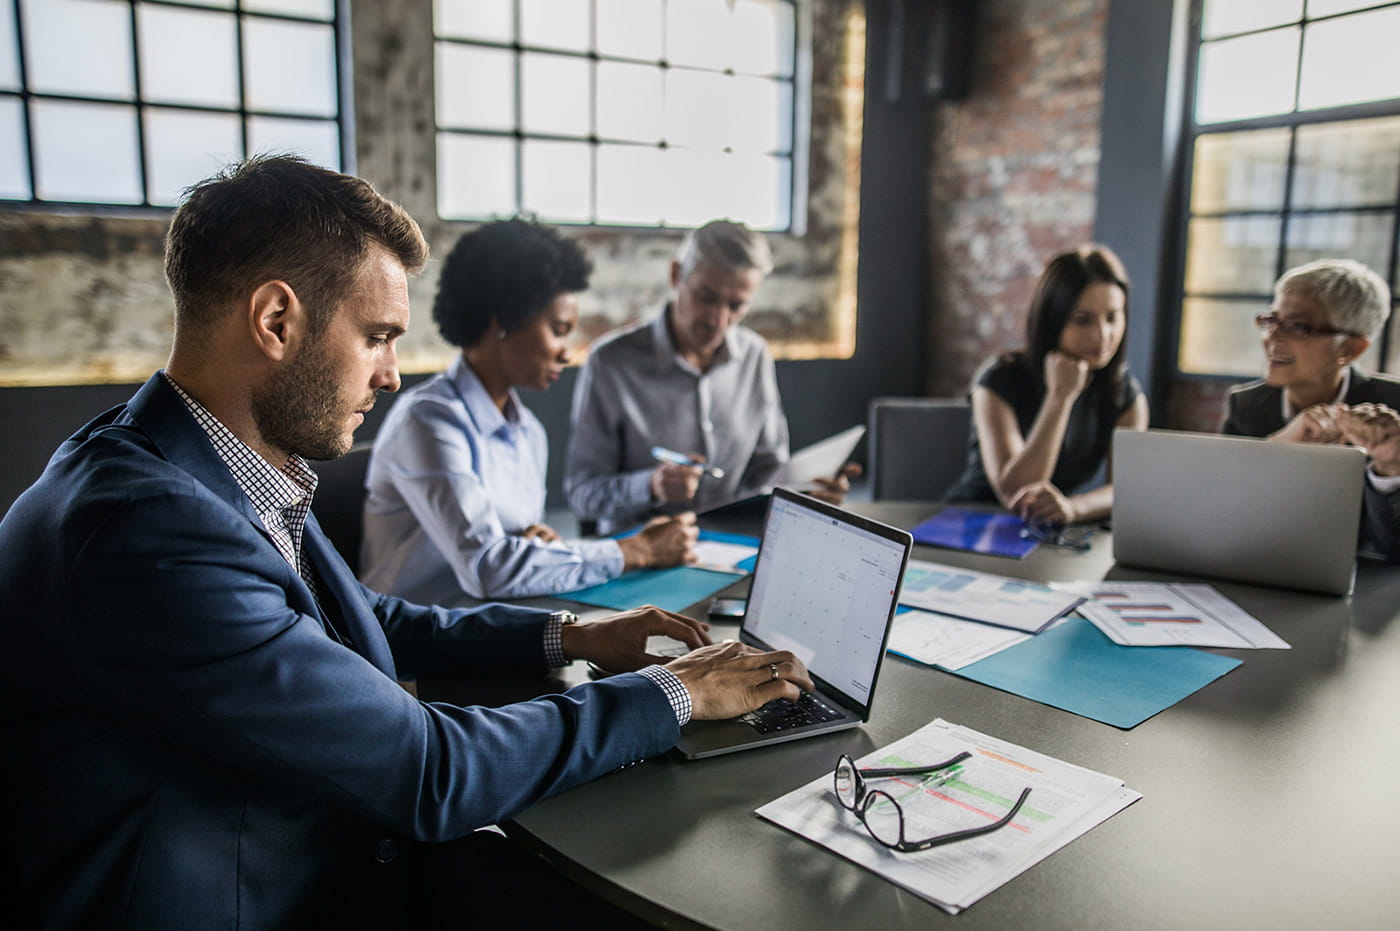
[{"x": 782, "y": 714}]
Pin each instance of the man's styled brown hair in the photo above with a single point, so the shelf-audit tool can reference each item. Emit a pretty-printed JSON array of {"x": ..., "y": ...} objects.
[{"x": 279, "y": 217}]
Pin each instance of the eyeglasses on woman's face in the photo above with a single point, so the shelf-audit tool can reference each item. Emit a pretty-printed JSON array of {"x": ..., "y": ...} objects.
[{"x": 1271, "y": 322}]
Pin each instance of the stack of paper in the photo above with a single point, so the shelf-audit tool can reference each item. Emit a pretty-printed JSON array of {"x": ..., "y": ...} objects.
[
  {"x": 980, "y": 596},
  {"x": 1065, "y": 802}
]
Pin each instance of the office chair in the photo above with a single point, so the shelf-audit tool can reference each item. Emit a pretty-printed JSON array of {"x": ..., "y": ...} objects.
[
  {"x": 340, "y": 500},
  {"x": 918, "y": 446}
]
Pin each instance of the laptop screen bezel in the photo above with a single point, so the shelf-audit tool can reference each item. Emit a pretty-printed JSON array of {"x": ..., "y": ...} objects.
[{"x": 885, "y": 531}]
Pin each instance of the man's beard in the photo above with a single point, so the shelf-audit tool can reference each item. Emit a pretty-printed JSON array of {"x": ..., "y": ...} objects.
[{"x": 299, "y": 410}]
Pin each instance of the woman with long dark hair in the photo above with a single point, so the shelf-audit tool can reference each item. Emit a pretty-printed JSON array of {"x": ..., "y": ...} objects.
[{"x": 1044, "y": 416}]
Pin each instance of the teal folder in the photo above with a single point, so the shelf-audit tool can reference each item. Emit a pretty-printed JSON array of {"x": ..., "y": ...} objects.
[
  {"x": 673, "y": 589},
  {"x": 1076, "y": 668}
]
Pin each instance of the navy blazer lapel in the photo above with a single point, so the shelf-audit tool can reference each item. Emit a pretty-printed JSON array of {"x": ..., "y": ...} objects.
[
  {"x": 338, "y": 582},
  {"x": 163, "y": 416}
]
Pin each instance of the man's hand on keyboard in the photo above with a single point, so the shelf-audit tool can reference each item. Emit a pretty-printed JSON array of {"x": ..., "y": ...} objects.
[
  {"x": 618, "y": 643},
  {"x": 728, "y": 679}
]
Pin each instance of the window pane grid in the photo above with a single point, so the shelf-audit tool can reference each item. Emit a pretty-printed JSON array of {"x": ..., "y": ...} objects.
[
  {"x": 1277, "y": 187},
  {"x": 612, "y": 98},
  {"x": 180, "y": 98}
]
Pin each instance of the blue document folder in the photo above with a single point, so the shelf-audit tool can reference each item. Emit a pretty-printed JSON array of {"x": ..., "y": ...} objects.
[
  {"x": 674, "y": 589},
  {"x": 1076, "y": 668},
  {"x": 977, "y": 531}
]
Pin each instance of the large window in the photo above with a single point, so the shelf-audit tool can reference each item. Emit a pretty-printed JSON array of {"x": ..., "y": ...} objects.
[
  {"x": 128, "y": 102},
  {"x": 1295, "y": 156},
  {"x": 621, "y": 112}
]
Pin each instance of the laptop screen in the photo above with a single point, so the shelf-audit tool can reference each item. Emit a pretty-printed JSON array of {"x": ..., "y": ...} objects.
[{"x": 824, "y": 588}]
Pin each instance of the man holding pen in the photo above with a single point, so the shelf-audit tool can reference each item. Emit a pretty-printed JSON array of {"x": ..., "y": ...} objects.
[{"x": 690, "y": 381}]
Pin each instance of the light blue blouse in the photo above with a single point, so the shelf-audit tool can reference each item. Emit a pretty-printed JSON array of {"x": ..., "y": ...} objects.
[{"x": 452, "y": 483}]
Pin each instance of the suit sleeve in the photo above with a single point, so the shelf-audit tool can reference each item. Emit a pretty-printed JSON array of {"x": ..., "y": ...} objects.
[
  {"x": 1232, "y": 426},
  {"x": 1380, "y": 524},
  {"x": 178, "y": 623}
]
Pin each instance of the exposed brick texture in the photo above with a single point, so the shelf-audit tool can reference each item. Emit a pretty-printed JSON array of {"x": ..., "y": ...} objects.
[{"x": 1015, "y": 167}]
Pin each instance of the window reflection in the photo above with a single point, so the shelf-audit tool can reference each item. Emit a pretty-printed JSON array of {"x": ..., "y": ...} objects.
[
  {"x": 1232, "y": 255},
  {"x": 1218, "y": 338},
  {"x": 1240, "y": 171},
  {"x": 1350, "y": 164}
]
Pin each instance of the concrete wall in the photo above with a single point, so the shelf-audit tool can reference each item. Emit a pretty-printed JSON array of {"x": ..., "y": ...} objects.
[{"x": 85, "y": 278}]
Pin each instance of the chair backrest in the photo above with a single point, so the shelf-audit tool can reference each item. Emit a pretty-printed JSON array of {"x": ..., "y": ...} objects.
[
  {"x": 918, "y": 446},
  {"x": 340, "y": 500}
]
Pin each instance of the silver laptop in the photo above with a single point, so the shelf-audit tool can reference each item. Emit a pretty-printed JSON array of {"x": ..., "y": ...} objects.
[
  {"x": 825, "y": 587},
  {"x": 1282, "y": 514}
]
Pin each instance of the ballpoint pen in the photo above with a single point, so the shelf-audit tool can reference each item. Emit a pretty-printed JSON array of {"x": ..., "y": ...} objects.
[{"x": 662, "y": 454}]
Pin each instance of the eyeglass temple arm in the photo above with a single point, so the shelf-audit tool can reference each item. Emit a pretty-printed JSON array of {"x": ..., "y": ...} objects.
[
  {"x": 954, "y": 836},
  {"x": 911, "y": 770}
]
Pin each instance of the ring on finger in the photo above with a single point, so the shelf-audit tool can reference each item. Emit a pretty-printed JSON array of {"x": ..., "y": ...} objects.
[{"x": 773, "y": 669}]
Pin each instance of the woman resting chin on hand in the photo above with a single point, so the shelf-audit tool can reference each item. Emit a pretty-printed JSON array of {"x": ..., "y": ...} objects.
[{"x": 1044, "y": 416}]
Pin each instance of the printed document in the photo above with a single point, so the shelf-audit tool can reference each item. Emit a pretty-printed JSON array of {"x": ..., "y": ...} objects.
[
  {"x": 947, "y": 642},
  {"x": 1065, "y": 802},
  {"x": 1153, "y": 614},
  {"x": 820, "y": 460},
  {"x": 981, "y": 596}
]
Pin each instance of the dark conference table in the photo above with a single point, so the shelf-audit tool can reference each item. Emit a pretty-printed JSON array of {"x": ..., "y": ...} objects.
[{"x": 1271, "y": 796}]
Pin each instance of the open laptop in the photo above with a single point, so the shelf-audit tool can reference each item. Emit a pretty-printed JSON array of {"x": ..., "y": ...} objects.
[
  {"x": 1282, "y": 514},
  {"x": 825, "y": 586}
]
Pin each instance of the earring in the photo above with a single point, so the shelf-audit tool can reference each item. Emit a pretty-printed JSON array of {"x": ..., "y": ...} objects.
[{"x": 501, "y": 333}]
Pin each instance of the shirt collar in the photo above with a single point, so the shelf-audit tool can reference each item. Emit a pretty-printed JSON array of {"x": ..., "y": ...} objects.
[
  {"x": 1288, "y": 411},
  {"x": 482, "y": 410},
  {"x": 668, "y": 356},
  {"x": 267, "y": 487}
]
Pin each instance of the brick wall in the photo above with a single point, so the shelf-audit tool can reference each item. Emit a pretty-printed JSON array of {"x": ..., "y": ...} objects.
[{"x": 1015, "y": 167}]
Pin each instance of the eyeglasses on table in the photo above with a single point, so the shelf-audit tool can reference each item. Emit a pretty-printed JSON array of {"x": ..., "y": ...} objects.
[{"x": 882, "y": 815}]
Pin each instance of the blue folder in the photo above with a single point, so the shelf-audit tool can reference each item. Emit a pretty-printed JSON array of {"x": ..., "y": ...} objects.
[
  {"x": 977, "y": 531},
  {"x": 674, "y": 589},
  {"x": 1076, "y": 668}
]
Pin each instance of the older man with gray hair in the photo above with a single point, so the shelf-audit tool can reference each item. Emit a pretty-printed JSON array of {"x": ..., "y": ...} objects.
[
  {"x": 1324, "y": 316},
  {"x": 690, "y": 380}
]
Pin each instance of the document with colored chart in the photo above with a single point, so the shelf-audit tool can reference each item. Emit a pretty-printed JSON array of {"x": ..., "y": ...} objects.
[
  {"x": 1154, "y": 614},
  {"x": 1064, "y": 803},
  {"x": 980, "y": 596}
]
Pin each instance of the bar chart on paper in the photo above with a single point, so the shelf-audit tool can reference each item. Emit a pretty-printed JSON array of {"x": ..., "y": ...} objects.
[{"x": 1177, "y": 614}]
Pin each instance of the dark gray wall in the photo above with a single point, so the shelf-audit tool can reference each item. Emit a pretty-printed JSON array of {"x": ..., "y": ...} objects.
[
  {"x": 820, "y": 396},
  {"x": 1138, "y": 170}
]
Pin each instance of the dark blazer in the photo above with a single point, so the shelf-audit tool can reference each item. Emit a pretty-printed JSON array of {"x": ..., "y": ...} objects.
[
  {"x": 1256, "y": 409},
  {"x": 193, "y": 751}
]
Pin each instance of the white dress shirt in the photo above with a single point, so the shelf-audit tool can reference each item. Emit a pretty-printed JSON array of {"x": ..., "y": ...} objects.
[{"x": 452, "y": 483}]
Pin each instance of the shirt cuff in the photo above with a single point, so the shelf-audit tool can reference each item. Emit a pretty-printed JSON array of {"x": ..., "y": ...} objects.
[
  {"x": 673, "y": 688},
  {"x": 1385, "y": 484},
  {"x": 554, "y": 642}
]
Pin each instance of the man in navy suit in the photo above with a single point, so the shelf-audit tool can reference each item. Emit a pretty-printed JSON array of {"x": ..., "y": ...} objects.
[{"x": 200, "y": 703}]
